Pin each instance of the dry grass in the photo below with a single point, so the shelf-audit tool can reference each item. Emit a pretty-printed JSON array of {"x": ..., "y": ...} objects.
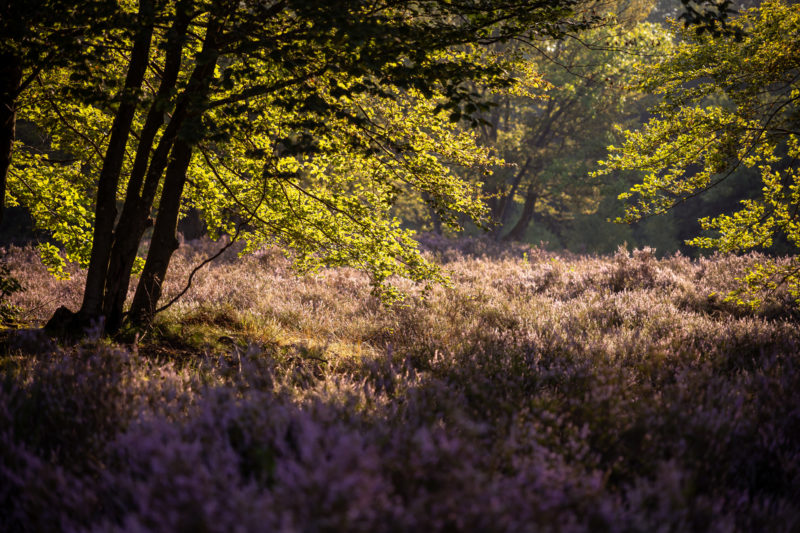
[{"x": 541, "y": 392}]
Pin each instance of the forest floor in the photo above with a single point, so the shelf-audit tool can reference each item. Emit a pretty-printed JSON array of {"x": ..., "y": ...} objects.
[{"x": 539, "y": 392}]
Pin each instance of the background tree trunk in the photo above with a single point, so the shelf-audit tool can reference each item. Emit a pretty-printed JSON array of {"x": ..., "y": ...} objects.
[
  {"x": 192, "y": 226},
  {"x": 505, "y": 202},
  {"x": 517, "y": 233},
  {"x": 10, "y": 79}
]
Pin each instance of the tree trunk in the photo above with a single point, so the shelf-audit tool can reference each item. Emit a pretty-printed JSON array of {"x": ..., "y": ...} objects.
[
  {"x": 192, "y": 226},
  {"x": 165, "y": 241},
  {"x": 10, "y": 79},
  {"x": 517, "y": 233},
  {"x": 106, "y": 202},
  {"x": 493, "y": 201},
  {"x": 504, "y": 202},
  {"x": 135, "y": 219},
  {"x": 135, "y": 216}
]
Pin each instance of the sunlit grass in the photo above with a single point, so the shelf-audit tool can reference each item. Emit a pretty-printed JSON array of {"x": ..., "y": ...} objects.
[{"x": 540, "y": 392}]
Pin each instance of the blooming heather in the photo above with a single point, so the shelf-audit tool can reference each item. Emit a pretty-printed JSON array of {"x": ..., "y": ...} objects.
[{"x": 544, "y": 392}]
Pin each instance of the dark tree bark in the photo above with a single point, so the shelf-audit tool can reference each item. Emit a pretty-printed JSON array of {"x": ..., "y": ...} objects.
[
  {"x": 135, "y": 216},
  {"x": 10, "y": 79},
  {"x": 106, "y": 202},
  {"x": 504, "y": 202},
  {"x": 135, "y": 219},
  {"x": 517, "y": 233},
  {"x": 165, "y": 241},
  {"x": 437, "y": 222},
  {"x": 508, "y": 199}
]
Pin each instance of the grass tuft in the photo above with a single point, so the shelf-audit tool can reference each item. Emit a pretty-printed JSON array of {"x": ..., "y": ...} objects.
[{"x": 541, "y": 392}]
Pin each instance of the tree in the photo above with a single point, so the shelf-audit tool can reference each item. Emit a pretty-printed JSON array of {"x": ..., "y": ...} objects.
[
  {"x": 38, "y": 35},
  {"x": 290, "y": 121},
  {"x": 551, "y": 141},
  {"x": 728, "y": 101}
]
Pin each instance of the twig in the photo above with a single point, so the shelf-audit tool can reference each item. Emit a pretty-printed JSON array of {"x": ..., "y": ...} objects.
[{"x": 198, "y": 267}]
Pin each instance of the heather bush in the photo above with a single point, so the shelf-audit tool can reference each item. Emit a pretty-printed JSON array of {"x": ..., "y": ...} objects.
[
  {"x": 539, "y": 392},
  {"x": 8, "y": 286}
]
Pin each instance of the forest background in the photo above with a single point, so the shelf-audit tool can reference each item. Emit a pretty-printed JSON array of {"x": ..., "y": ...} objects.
[
  {"x": 290, "y": 124},
  {"x": 544, "y": 193}
]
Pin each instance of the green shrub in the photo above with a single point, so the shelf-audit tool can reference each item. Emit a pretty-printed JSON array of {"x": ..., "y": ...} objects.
[{"x": 8, "y": 285}]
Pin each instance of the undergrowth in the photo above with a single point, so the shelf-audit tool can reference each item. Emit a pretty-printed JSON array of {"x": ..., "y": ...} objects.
[{"x": 541, "y": 392}]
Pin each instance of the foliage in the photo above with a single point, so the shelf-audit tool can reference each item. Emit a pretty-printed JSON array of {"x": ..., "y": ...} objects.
[
  {"x": 331, "y": 206},
  {"x": 9, "y": 285},
  {"x": 550, "y": 142},
  {"x": 39, "y": 35},
  {"x": 727, "y": 103},
  {"x": 291, "y": 122},
  {"x": 709, "y": 16},
  {"x": 55, "y": 180},
  {"x": 43, "y": 33}
]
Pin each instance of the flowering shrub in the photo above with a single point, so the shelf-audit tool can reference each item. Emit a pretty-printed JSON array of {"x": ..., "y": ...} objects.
[
  {"x": 544, "y": 393},
  {"x": 8, "y": 286}
]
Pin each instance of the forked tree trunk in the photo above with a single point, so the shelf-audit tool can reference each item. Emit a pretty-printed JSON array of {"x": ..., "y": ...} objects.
[
  {"x": 517, "y": 233},
  {"x": 165, "y": 240},
  {"x": 135, "y": 216},
  {"x": 106, "y": 201},
  {"x": 505, "y": 202},
  {"x": 10, "y": 79},
  {"x": 135, "y": 219}
]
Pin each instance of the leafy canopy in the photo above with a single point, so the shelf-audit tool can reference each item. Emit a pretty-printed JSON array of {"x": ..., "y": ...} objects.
[
  {"x": 553, "y": 140},
  {"x": 318, "y": 117},
  {"x": 728, "y": 101}
]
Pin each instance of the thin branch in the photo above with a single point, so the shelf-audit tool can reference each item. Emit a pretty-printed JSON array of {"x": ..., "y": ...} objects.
[{"x": 201, "y": 265}]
